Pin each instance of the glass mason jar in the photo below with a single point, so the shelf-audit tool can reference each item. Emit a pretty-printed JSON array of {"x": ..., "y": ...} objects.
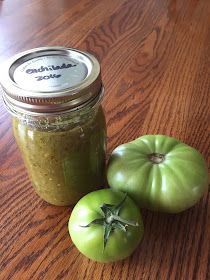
[{"x": 54, "y": 95}]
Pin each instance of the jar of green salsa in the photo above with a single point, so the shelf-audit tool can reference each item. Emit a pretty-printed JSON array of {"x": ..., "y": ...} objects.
[{"x": 54, "y": 95}]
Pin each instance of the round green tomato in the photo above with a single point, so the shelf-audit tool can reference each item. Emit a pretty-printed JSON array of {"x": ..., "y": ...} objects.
[
  {"x": 159, "y": 172},
  {"x": 106, "y": 225}
]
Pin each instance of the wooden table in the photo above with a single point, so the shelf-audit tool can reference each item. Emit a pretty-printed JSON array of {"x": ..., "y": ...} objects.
[{"x": 155, "y": 67}]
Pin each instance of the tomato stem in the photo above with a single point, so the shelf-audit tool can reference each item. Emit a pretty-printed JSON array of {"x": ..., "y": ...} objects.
[
  {"x": 156, "y": 158},
  {"x": 111, "y": 220}
]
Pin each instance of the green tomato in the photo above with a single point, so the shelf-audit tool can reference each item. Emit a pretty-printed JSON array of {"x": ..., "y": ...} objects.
[
  {"x": 159, "y": 172},
  {"x": 106, "y": 225}
]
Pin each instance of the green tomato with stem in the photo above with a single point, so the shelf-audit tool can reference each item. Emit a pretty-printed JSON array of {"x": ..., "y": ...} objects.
[
  {"x": 106, "y": 226},
  {"x": 159, "y": 172}
]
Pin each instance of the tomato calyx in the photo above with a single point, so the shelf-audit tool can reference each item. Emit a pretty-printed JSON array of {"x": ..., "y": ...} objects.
[
  {"x": 156, "y": 158},
  {"x": 111, "y": 220}
]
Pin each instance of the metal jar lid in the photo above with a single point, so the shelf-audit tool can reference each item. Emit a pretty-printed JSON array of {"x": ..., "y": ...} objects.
[{"x": 50, "y": 79}]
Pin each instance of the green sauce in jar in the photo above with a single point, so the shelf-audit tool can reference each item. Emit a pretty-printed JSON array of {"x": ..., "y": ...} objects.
[
  {"x": 65, "y": 163},
  {"x": 54, "y": 95}
]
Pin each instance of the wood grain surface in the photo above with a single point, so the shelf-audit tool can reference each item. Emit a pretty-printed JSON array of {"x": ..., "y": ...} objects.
[{"x": 156, "y": 70}]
